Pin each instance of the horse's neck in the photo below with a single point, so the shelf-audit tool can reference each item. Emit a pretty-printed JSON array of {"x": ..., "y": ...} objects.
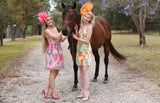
[
  {"x": 78, "y": 21},
  {"x": 72, "y": 41}
]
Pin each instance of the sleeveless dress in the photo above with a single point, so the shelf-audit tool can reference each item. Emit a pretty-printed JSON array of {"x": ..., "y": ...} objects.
[
  {"x": 84, "y": 51},
  {"x": 54, "y": 55}
]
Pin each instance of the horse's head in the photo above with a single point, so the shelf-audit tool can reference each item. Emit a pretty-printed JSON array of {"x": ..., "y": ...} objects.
[{"x": 70, "y": 19}]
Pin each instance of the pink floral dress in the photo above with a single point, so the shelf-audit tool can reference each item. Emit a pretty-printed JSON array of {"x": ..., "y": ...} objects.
[{"x": 54, "y": 55}]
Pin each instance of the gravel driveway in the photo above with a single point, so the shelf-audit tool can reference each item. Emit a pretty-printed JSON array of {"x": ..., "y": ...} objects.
[{"x": 26, "y": 78}]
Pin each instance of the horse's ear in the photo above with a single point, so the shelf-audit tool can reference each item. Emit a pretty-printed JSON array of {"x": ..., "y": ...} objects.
[
  {"x": 63, "y": 5},
  {"x": 74, "y": 5}
]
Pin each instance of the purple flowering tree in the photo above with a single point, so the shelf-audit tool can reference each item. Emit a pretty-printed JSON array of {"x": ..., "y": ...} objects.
[{"x": 147, "y": 8}]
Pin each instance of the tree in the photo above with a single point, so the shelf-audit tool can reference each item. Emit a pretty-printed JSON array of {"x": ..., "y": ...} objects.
[
  {"x": 20, "y": 14},
  {"x": 57, "y": 19},
  {"x": 14, "y": 17},
  {"x": 23, "y": 13},
  {"x": 117, "y": 20},
  {"x": 145, "y": 7},
  {"x": 3, "y": 19},
  {"x": 28, "y": 12}
]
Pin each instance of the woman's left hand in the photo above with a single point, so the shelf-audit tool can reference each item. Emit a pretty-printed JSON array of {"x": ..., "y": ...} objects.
[{"x": 75, "y": 37}]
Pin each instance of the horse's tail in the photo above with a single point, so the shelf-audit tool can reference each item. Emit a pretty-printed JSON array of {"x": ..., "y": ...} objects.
[{"x": 119, "y": 57}]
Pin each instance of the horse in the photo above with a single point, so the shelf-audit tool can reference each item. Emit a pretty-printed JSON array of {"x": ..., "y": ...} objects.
[{"x": 101, "y": 36}]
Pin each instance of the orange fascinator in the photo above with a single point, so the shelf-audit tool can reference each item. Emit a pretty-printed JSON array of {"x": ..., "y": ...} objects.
[{"x": 86, "y": 8}]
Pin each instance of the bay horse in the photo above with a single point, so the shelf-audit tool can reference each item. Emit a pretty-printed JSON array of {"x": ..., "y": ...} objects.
[{"x": 101, "y": 36}]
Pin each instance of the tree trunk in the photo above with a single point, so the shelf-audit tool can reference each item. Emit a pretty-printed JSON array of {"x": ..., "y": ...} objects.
[
  {"x": 39, "y": 29},
  {"x": 13, "y": 37},
  {"x": 142, "y": 19},
  {"x": 142, "y": 39},
  {"x": 13, "y": 34},
  {"x": 140, "y": 27},
  {"x": 32, "y": 31},
  {"x": 1, "y": 41},
  {"x": 24, "y": 32}
]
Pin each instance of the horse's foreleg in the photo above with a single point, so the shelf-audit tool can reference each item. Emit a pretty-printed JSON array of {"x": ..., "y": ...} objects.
[
  {"x": 97, "y": 60},
  {"x": 106, "y": 60},
  {"x": 75, "y": 67}
]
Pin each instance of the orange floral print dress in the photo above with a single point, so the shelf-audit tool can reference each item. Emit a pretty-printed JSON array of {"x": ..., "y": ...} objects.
[{"x": 84, "y": 51}]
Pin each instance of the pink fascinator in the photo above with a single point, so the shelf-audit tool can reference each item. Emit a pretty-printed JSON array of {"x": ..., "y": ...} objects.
[{"x": 43, "y": 17}]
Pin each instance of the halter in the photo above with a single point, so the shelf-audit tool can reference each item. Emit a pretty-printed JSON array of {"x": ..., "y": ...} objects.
[{"x": 68, "y": 23}]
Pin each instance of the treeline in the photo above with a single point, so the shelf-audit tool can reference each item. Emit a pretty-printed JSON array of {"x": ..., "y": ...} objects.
[{"x": 20, "y": 14}]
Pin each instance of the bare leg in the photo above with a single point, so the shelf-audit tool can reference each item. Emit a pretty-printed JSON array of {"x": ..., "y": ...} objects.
[
  {"x": 53, "y": 75},
  {"x": 85, "y": 78},
  {"x": 46, "y": 90},
  {"x": 82, "y": 84}
]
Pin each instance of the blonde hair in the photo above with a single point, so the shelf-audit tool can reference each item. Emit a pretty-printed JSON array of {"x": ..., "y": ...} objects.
[
  {"x": 92, "y": 21},
  {"x": 45, "y": 43},
  {"x": 44, "y": 39}
]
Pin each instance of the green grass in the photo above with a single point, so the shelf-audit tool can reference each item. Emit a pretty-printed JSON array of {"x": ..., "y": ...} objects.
[
  {"x": 146, "y": 59},
  {"x": 15, "y": 49}
]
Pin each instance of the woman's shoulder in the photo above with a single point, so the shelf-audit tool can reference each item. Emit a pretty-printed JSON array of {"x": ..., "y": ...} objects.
[
  {"x": 55, "y": 28},
  {"x": 89, "y": 27},
  {"x": 46, "y": 31}
]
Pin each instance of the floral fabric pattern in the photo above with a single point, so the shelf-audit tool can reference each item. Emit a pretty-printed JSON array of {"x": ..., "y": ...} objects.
[
  {"x": 84, "y": 51},
  {"x": 54, "y": 55}
]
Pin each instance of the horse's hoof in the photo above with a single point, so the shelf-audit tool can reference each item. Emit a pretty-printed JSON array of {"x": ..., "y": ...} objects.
[
  {"x": 74, "y": 89},
  {"x": 94, "y": 80},
  {"x": 105, "y": 81}
]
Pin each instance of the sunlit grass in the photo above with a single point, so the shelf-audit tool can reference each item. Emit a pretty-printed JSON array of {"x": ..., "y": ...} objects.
[
  {"x": 146, "y": 59},
  {"x": 14, "y": 49}
]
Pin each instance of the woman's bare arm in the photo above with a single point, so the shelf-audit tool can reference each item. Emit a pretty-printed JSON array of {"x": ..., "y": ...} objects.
[
  {"x": 51, "y": 35},
  {"x": 89, "y": 33}
]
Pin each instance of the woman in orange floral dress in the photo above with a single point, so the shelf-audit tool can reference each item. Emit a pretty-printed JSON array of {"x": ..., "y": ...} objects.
[{"x": 84, "y": 50}]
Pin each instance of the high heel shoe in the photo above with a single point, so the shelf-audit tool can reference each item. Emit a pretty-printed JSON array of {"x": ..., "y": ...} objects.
[
  {"x": 54, "y": 97},
  {"x": 44, "y": 93},
  {"x": 81, "y": 95},
  {"x": 86, "y": 97}
]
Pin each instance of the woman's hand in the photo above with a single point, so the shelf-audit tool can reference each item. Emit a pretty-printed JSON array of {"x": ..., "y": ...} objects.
[
  {"x": 75, "y": 37},
  {"x": 76, "y": 28},
  {"x": 64, "y": 38}
]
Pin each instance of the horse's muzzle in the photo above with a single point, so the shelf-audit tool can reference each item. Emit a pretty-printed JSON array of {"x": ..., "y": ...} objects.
[{"x": 65, "y": 32}]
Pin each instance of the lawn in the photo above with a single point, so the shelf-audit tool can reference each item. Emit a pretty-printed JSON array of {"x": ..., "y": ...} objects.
[
  {"x": 145, "y": 59},
  {"x": 15, "y": 49}
]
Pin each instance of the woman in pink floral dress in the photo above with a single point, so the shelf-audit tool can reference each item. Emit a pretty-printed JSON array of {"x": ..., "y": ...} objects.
[{"x": 51, "y": 46}]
